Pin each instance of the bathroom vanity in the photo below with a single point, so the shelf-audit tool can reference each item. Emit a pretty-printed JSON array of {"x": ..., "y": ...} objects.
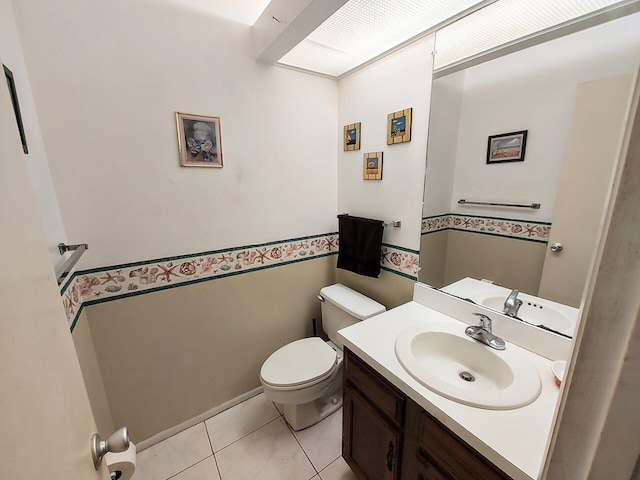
[
  {"x": 389, "y": 436},
  {"x": 394, "y": 427}
]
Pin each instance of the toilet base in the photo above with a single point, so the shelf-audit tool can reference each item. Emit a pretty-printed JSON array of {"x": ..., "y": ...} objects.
[{"x": 307, "y": 414}]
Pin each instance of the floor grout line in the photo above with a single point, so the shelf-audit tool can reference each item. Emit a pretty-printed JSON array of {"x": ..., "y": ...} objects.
[
  {"x": 184, "y": 470},
  {"x": 302, "y": 448},
  {"x": 213, "y": 454},
  {"x": 245, "y": 436}
]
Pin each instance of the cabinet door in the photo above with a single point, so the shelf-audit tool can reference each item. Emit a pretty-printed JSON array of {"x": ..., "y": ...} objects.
[
  {"x": 446, "y": 451},
  {"x": 416, "y": 465},
  {"x": 371, "y": 444}
]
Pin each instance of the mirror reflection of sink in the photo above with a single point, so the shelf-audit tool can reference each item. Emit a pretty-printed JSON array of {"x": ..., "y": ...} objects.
[
  {"x": 534, "y": 310},
  {"x": 443, "y": 359},
  {"x": 536, "y": 313}
]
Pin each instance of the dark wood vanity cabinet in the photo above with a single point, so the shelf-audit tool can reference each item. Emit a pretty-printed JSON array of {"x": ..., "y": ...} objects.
[
  {"x": 373, "y": 414},
  {"x": 436, "y": 453},
  {"x": 387, "y": 436}
]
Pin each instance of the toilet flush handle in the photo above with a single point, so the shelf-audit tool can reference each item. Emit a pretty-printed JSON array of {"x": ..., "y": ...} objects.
[{"x": 320, "y": 297}]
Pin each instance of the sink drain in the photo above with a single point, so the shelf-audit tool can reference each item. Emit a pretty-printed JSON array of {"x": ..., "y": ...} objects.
[{"x": 467, "y": 377}]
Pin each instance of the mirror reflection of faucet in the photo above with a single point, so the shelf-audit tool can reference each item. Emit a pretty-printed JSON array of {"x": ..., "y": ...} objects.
[
  {"x": 483, "y": 333},
  {"x": 512, "y": 304}
]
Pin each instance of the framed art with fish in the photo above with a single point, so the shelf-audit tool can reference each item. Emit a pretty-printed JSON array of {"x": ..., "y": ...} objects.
[{"x": 199, "y": 140}]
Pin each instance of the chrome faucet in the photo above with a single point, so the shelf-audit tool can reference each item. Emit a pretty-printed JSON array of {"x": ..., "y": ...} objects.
[
  {"x": 483, "y": 334},
  {"x": 512, "y": 304}
]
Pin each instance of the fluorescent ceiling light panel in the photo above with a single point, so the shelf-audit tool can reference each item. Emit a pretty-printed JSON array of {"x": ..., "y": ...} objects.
[
  {"x": 504, "y": 22},
  {"x": 363, "y": 29}
]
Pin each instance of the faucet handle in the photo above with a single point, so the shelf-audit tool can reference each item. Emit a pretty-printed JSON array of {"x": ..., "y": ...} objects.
[
  {"x": 485, "y": 321},
  {"x": 512, "y": 297},
  {"x": 512, "y": 304}
]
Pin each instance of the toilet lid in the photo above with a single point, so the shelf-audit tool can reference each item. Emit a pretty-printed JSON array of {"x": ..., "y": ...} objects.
[{"x": 299, "y": 362}]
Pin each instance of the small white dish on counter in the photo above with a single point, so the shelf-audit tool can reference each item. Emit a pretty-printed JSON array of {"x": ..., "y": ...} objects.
[{"x": 558, "y": 369}]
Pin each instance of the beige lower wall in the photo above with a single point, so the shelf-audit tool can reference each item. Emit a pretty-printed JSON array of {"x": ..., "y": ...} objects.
[
  {"x": 510, "y": 262},
  {"x": 168, "y": 356},
  {"x": 92, "y": 376}
]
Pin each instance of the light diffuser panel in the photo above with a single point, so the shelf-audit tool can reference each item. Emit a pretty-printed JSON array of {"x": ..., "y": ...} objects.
[
  {"x": 363, "y": 29},
  {"x": 506, "y": 21}
]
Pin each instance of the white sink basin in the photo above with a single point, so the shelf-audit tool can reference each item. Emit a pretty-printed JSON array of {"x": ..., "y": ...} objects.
[
  {"x": 442, "y": 358},
  {"x": 536, "y": 313}
]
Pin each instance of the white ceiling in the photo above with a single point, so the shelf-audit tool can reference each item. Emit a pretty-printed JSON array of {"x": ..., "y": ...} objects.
[{"x": 242, "y": 11}]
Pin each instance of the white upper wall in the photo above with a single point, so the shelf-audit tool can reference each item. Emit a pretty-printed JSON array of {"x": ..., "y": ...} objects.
[
  {"x": 36, "y": 160},
  {"x": 107, "y": 78},
  {"x": 532, "y": 90},
  {"x": 396, "y": 82}
]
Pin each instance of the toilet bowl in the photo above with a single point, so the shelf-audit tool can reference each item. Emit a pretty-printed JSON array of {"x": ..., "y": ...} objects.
[{"x": 304, "y": 377}]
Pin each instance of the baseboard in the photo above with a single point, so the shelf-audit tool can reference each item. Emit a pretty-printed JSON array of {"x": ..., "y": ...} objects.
[{"x": 158, "y": 437}]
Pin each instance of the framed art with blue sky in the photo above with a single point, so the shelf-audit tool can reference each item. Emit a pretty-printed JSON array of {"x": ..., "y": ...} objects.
[
  {"x": 399, "y": 127},
  {"x": 352, "y": 137},
  {"x": 507, "y": 147}
]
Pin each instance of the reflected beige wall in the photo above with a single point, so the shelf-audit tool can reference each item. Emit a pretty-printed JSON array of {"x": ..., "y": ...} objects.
[
  {"x": 168, "y": 356},
  {"x": 510, "y": 262},
  {"x": 92, "y": 376},
  {"x": 433, "y": 258}
]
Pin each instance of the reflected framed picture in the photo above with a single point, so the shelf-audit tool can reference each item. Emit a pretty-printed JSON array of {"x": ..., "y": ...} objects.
[
  {"x": 352, "y": 137},
  {"x": 399, "y": 127},
  {"x": 372, "y": 166},
  {"x": 199, "y": 141},
  {"x": 13, "y": 93},
  {"x": 507, "y": 147}
]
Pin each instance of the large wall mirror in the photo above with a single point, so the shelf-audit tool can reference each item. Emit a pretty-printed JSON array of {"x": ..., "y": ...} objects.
[{"x": 571, "y": 96}]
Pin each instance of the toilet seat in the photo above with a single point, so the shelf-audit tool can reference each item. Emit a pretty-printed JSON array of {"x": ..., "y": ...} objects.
[{"x": 299, "y": 364}]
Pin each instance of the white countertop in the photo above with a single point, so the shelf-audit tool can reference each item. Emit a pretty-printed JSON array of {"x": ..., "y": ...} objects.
[{"x": 514, "y": 440}]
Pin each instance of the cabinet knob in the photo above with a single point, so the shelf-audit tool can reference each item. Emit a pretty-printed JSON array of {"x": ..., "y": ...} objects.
[
  {"x": 420, "y": 477},
  {"x": 390, "y": 457}
]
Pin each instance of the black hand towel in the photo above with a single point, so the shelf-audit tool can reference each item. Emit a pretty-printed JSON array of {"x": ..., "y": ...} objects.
[{"x": 360, "y": 245}]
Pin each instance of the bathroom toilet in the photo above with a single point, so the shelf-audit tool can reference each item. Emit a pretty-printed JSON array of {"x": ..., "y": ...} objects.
[{"x": 304, "y": 378}]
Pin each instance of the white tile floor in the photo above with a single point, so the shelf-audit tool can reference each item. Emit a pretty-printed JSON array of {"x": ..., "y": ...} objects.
[{"x": 248, "y": 441}]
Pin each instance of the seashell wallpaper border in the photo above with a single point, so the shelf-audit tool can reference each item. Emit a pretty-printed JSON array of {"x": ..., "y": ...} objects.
[
  {"x": 98, "y": 285},
  {"x": 504, "y": 227}
]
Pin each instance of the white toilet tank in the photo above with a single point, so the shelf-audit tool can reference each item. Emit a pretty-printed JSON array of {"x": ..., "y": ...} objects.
[{"x": 342, "y": 307}]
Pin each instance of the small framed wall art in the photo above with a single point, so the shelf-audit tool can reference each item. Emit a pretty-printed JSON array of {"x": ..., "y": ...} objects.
[
  {"x": 399, "y": 127},
  {"x": 199, "y": 140},
  {"x": 352, "y": 137},
  {"x": 372, "y": 166},
  {"x": 507, "y": 147}
]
